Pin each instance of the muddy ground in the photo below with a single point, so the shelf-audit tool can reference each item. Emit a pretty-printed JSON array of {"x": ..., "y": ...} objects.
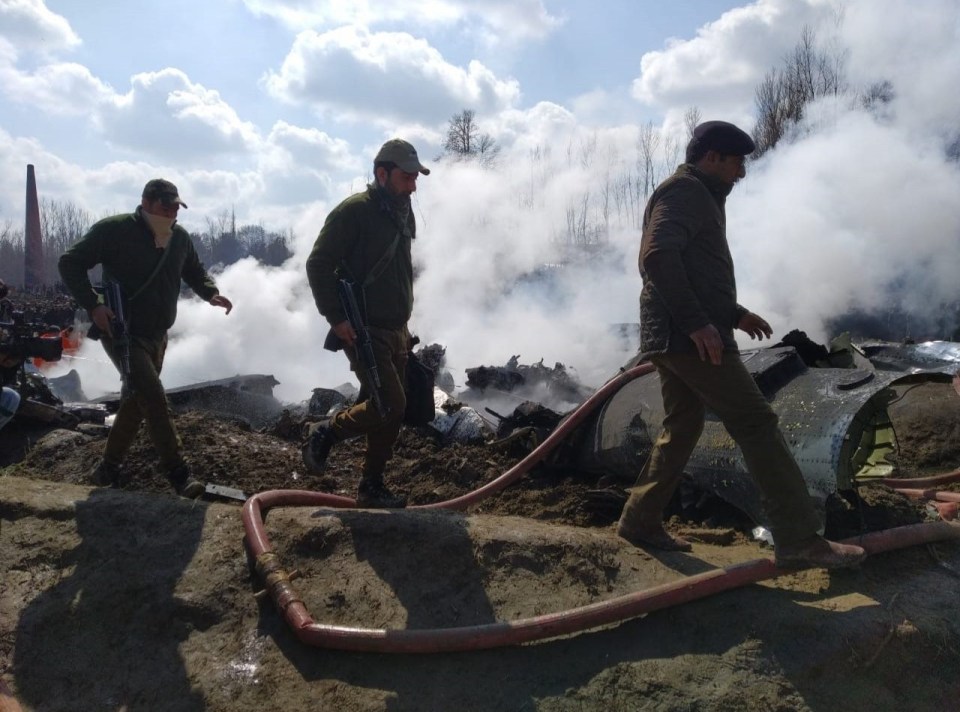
[{"x": 135, "y": 599}]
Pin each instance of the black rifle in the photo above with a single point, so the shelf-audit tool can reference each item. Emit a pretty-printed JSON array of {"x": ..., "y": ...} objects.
[
  {"x": 363, "y": 344},
  {"x": 113, "y": 298}
]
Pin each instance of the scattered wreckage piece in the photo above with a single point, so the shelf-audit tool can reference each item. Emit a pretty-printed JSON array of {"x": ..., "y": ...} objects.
[
  {"x": 528, "y": 414},
  {"x": 326, "y": 401},
  {"x": 67, "y": 387},
  {"x": 835, "y": 421},
  {"x": 927, "y": 357},
  {"x": 557, "y": 381},
  {"x": 457, "y": 422},
  {"x": 247, "y": 397},
  {"x": 216, "y": 492},
  {"x": 434, "y": 356}
]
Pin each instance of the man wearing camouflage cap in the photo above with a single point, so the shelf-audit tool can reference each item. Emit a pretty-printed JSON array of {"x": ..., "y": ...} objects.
[
  {"x": 367, "y": 239},
  {"x": 688, "y": 311},
  {"x": 148, "y": 254}
]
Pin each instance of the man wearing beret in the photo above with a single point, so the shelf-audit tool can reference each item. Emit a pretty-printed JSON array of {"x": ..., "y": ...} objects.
[
  {"x": 366, "y": 240},
  {"x": 147, "y": 254},
  {"x": 688, "y": 311}
]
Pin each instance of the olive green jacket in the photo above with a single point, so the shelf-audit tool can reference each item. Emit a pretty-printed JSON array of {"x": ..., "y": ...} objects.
[
  {"x": 686, "y": 266},
  {"x": 124, "y": 246},
  {"x": 356, "y": 234}
]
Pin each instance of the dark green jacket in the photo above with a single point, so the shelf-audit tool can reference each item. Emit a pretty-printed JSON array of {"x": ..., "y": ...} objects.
[
  {"x": 356, "y": 234},
  {"x": 685, "y": 262},
  {"x": 124, "y": 245}
]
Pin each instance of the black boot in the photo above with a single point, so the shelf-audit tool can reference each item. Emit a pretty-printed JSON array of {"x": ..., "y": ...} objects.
[
  {"x": 320, "y": 439},
  {"x": 185, "y": 484},
  {"x": 373, "y": 494},
  {"x": 105, "y": 474}
]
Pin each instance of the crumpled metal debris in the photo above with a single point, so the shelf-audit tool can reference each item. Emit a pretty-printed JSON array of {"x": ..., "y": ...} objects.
[
  {"x": 435, "y": 356},
  {"x": 527, "y": 414},
  {"x": 558, "y": 381},
  {"x": 456, "y": 422}
]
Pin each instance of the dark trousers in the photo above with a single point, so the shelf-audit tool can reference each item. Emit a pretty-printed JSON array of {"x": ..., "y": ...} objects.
[
  {"x": 147, "y": 402},
  {"x": 390, "y": 348},
  {"x": 688, "y": 387}
]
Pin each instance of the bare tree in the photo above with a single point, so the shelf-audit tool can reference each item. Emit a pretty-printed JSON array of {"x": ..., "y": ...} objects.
[
  {"x": 691, "y": 117},
  {"x": 11, "y": 253},
  {"x": 647, "y": 144},
  {"x": 671, "y": 155},
  {"x": 781, "y": 98},
  {"x": 62, "y": 223},
  {"x": 464, "y": 140}
]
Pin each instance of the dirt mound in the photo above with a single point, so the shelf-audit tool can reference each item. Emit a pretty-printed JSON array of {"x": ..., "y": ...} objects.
[{"x": 134, "y": 599}]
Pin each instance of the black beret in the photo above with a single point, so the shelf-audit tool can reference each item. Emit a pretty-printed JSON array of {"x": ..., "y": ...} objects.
[{"x": 720, "y": 136}]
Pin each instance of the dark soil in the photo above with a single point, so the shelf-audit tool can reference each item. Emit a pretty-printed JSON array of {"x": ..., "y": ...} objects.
[{"x": 138, "y": 600}]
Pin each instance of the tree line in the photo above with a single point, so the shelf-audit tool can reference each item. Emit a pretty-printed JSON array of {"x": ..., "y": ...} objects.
[{"x": 63, "y": 222}]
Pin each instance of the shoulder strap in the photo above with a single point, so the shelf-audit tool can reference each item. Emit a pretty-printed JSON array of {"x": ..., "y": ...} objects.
[
  {"x": 382, "y": 263},
  {"x": 156, "y": 270}
]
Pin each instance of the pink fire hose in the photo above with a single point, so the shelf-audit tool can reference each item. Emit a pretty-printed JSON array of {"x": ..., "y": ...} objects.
[
  {"x": 922, "y": 482},
  {"x": 7, "y": 701},
  {"x": 478, "y": 637}
]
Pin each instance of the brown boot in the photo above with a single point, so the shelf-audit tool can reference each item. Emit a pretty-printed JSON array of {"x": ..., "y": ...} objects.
[
  {"x": 655, "y": 537},
  {"x": 646, "y": 530},
  {"x": 817, "y": 552}
]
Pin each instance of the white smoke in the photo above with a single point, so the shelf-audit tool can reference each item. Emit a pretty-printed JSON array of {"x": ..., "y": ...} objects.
[{"x": 856, "y": 209}]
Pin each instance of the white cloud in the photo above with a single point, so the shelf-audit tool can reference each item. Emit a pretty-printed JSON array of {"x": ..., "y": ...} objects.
[
  {"x": 500, "y": 19},
  {"x": 30, "y": 25},
  {"x": 310, "y": 147},
  {"x": 166, "y": 115},
  {"x": 62, "y": 88},
  {"x": 719, "y": 69},
  {"x": 383, "y": 78},
  {"x": 163, "y": 114}
]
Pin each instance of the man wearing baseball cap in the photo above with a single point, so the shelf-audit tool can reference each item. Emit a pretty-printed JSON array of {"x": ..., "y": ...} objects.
[
  {"x": 688, "y": 312},
  {"x": 366, "y": 240},
  {"x": 147, "y": 254}
]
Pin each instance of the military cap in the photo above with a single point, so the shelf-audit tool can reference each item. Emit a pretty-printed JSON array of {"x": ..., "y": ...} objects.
[
  {"x": 719, "y": 136},
  {"x": 402, "y": 154},
  {"x": 162, "y": 190}
]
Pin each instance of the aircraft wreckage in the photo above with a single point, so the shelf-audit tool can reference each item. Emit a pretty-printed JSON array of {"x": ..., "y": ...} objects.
[
  {"x": 833, "y": 414},
  {"x": 832, "y": 407}
]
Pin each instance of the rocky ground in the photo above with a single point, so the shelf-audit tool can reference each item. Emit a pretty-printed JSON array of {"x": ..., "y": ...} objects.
[{"x": 134, "y": 599}]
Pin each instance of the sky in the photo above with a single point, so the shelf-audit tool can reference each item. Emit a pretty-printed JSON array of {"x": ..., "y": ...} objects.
[{"x": 274, "y": 109}]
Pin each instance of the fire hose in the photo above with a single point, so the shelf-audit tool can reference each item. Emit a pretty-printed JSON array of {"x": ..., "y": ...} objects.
[
  {"x": 478, "y": 637},
  {"x": 7, "y": 701}
]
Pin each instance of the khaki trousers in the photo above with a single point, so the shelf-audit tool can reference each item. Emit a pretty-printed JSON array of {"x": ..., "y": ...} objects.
[
  {"x": 147, "y": 402},
  {"x": 390, "y": 348},
  {"x": 688, "y": 387}
]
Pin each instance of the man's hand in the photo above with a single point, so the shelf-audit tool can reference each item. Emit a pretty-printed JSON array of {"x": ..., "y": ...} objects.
[
  {"x": 101, "y": 315},
  {"x": 709, "y": 344},
  {"x": 755, "y": 325},
  {"x": 345, "y": 332},
  {"x": 222, "y": 301}
]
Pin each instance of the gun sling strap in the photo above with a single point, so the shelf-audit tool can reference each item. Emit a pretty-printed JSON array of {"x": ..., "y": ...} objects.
[{"x": 156, "y": 271}]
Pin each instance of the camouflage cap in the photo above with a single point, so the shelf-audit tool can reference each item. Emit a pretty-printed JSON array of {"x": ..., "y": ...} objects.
[
  {"x": 162, "y": 190},
  {"x": 403, "y": 154}
]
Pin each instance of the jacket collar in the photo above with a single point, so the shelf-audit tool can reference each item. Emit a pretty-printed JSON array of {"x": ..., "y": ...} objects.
[{"x": 718, "y": 189}]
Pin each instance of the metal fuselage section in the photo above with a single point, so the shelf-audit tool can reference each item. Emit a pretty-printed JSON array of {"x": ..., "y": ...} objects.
[{"x": 834, "y": 420}]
